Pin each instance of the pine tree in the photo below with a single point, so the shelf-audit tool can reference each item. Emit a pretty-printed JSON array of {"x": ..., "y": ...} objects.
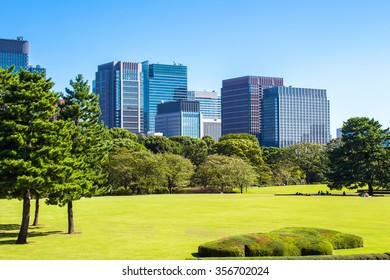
[
  {"x": 89, "y": 150},
  {"x": 31, "y": 144}
]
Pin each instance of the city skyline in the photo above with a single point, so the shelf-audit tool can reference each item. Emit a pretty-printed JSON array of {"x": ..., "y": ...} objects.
[{"x": 340, "y": 47}]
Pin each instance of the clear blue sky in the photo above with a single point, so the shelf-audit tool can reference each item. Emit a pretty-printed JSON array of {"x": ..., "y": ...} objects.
[{"x": 340, "y": 46}]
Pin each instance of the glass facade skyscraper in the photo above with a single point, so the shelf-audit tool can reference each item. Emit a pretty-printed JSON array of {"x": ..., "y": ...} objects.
[
  {"x": 162, "y": 82},
  {"x": 210, "y": 108},
  {"x": 14, "y": 52},
  {"x": 179, "y": 118},
  {"x": 294, "y": 115},
  {"x": 120, "y": 88},
  {"x": 241, "y": 103}
]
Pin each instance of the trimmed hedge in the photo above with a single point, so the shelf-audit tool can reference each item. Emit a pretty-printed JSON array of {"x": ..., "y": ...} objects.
[
  {"x": 292, "y": 241},
  {"x": 385, "y": 256}
]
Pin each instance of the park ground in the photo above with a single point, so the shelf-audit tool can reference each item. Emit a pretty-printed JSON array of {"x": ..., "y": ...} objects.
[{"x": 170, "y": 227}]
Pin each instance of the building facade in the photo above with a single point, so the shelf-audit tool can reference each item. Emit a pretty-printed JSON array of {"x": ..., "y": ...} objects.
[
  {"x": 241, "y": 100},
  {"x": 179, "y": 118},
  {"x": 119, "y": 85},
  {"x": 162, "y": 82},
  {"x": 16, "y": 53},
  {"x": 210, "y": 109},
  {"x": 294, "y": 115}
]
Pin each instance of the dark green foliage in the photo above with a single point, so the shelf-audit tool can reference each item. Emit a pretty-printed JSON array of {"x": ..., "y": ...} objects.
[
  {"x": 125, "y": 139},
  {"x": 210, "y": 142},
  {"x": 33, "y": 148},
  {"x": 283, "y": 242},
  {"x": 91, "y": 143},
  {"x": 160, "y": 144},
  {"x": 194, "y": 149},
  {"x": 311, "y": 158},
  {"x": 360, "y": 157}
]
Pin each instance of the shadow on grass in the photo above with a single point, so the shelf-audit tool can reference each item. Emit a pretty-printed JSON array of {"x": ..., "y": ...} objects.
[{"x": 9, "y": 233}]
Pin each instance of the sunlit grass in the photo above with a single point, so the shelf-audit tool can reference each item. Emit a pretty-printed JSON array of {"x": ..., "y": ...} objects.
[{"x": 172, "y": 226}]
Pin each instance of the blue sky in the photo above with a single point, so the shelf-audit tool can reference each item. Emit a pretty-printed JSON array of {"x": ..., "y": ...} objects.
[{"x": 340, "y": 46}]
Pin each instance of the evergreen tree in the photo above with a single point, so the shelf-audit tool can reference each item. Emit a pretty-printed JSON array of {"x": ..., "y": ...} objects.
[
  {"x": 360, "y": 158},
  {"x": 31, "y": 144},
  {"x": 89, "y": 150}
]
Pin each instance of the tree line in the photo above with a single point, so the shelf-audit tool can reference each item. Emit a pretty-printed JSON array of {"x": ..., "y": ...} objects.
[{"x": 53, "y": 147}]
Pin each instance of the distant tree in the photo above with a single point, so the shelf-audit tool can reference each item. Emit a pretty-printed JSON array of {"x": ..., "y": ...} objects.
[
  {"x": 311, "y": 158},
  {"x": 210, "y": 142},
  {"x": 121, "y": 137},
  {"x": 243, "y": 175},
  {"x": 178, "y": 171},
  {"x": 141, "y": 171},
  {"x": 225, "y": 173},
  {"x": 31, "y": 145},
  {"x": 90, "y": 147},
  {"x": 160, "y": 144},
  {"x": 244, "y": 136},
  {"x": 192, "y": 148},
  {"x": 273, "y": 155},
  {"x": 242, "y": 148},
  {"x": 360, "y": 157}
]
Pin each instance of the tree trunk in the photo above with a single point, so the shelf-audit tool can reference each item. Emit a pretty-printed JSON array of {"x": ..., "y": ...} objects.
[
  {"x": 70, "y": 218},
  {"x": 36, "y": 217},
  {"x": 22, "y": 237},
  {"x": 370, "y": 190}
]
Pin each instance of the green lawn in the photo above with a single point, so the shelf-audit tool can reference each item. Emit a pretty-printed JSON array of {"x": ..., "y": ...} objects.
[{"x": 172, "y": 226}]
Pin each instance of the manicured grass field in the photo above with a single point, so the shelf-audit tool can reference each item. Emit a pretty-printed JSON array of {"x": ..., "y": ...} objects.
[{"x": 170, "y": 227}]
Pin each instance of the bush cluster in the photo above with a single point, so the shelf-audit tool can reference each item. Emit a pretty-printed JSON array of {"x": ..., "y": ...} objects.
[{"x": 294, "y": 241}]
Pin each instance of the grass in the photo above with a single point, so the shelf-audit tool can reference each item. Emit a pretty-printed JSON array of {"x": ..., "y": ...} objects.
[{"x": 170, "y": 227}]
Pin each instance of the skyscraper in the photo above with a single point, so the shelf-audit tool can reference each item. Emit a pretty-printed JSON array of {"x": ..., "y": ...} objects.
[
  {"x": 241, "y": 103},
  {"x": 162, "y": 82},
  {"x": 16, "y": 53},
  {"x": 210, "y": 108},
  {"x": 120, "y": 88},
  {"x": 179, "y": 118},
  {"x": 294, "y": 115}
]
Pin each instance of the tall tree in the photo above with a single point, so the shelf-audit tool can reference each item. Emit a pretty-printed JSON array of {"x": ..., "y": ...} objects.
[
  {"x": 30, "y": 143},
  {"x": 90, "y": 147},
  {"x": 360, "y": 158}
]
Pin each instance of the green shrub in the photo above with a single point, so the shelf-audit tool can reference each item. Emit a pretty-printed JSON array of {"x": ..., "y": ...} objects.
[{"x": 294, "y": 241}]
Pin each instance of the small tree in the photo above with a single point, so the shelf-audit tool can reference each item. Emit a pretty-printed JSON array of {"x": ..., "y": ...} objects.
[
  {"x": 360, "y": 158},
  {"x": 178, "y": 171},
  {"x": 242, "y": 174},
  {"x": 89, "y": 150}
]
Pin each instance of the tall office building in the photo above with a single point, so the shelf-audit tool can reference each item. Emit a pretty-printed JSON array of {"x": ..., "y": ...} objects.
[
  {"x": 16, "y": 53},
  {"x": 241, "y": 103},
  {"x": 179, "y": 118},
  {"x": 210, "y": 108},
  {"x": 162, "y": 82},
  {"x": 294, "y": 115},
  {"x": 119, "y": 85}
]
